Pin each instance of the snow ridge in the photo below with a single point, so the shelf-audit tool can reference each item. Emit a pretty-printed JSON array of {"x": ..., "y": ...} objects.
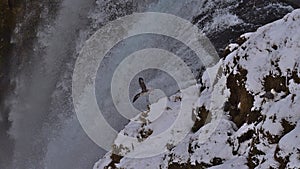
[{"x": 254, "y": 131}]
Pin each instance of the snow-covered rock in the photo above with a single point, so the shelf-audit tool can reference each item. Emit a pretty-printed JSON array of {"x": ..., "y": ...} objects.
[{"x": 236, "y": 126}]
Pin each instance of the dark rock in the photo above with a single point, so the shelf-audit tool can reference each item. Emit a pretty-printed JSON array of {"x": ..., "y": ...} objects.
[
  {"x": 268, "y": 95},
  {"x": 294, "y": 3},
  {"x": 254, "y": 14},
  {"x": 10, "y": 4},
  {"x": 226, "y": 106}
]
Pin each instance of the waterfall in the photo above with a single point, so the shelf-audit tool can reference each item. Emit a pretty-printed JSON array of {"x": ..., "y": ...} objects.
[{"x": 44, "y": 127}]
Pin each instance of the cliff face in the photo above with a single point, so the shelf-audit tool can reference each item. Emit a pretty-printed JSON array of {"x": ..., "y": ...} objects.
[{"x": 253, "y": 108}]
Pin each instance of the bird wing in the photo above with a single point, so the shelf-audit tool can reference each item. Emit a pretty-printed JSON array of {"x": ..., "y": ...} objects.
[
  {"x": 136, "y": 97},
  {"x": 142, "y": 84}
]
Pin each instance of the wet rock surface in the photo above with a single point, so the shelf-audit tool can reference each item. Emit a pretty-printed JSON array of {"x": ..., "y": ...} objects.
[{"x": 252, "y": 14}]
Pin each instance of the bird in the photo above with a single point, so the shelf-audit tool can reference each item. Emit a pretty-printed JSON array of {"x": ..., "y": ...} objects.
[{"x": 144, "y": 89}]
